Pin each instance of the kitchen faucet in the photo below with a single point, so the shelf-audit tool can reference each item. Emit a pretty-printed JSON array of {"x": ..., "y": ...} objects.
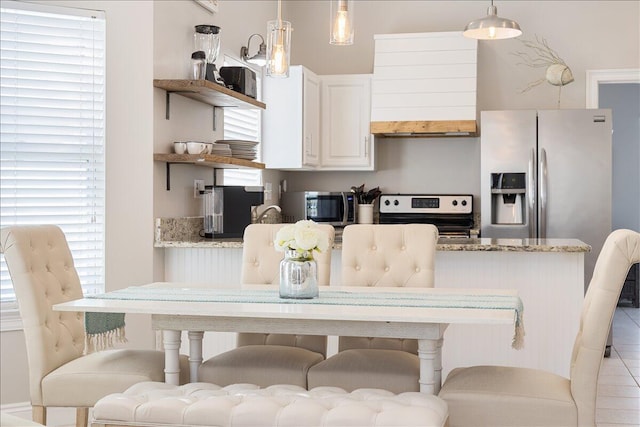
[{"x": 257, "y": 219}]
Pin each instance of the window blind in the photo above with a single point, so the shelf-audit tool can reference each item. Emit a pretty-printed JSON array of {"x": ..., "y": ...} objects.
[
  {"x": 243, "y": 124},
  {"x": 52, "y": 130}
]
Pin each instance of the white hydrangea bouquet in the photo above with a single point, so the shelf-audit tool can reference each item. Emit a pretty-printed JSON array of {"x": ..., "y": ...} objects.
[{"x": 303, "y": 237}]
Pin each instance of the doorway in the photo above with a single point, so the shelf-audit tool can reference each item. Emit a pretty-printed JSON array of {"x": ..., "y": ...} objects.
[{"x": 619, "y": 90}]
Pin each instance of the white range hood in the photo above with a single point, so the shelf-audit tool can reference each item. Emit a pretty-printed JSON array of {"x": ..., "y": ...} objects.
[{"x": 424, "y": 84}]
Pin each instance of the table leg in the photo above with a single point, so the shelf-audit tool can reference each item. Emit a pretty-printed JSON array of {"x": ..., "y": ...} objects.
[
  {"x": 195, "y": 354},
  {"x": 171, "y": 343},
  {"x": 430, "y": 354}
]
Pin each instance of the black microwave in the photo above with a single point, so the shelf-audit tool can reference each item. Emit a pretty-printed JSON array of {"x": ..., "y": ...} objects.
[{"x": 334, "y": 208}]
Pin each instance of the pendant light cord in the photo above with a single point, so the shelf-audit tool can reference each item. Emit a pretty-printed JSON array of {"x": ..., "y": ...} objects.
[{"x": 280, "y": 13}]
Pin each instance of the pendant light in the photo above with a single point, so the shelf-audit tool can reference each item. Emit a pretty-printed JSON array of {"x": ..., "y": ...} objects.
[
  {"x": 492, "y": 27},
  {"x": 341, "y": 21},
  {"x": 278, "y": 46}
]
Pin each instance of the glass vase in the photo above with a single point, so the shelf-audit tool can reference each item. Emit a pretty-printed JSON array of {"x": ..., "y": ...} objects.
[{"x": 298, "y": 275}]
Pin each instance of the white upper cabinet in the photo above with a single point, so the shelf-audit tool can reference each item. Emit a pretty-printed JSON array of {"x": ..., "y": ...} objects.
[
  {"x": 345, "y": 118},
  {"x": 291, "y": 123}
]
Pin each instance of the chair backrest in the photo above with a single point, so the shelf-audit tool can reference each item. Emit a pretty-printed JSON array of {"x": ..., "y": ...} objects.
[
  {"x": 261, "y": 265},
  {"x": 394, "y": 255},
  {"x": 43, "y": 274},
  {"x": 261, "y": 262},
  {"x": 620, "y": 251}
]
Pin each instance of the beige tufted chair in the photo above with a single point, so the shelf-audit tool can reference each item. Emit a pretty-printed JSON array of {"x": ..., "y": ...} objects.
[
  {"x": 269, "y": 359},
  {"x": 43, "y": 274},
  {"x": 380, "y": 255},
  {"x": 508, "y": 396}
]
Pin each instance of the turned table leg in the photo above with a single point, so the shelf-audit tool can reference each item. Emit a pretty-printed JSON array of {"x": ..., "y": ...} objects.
[{"x": 430, "y": 354}]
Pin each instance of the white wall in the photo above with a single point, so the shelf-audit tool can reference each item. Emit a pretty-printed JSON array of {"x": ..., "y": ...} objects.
[
  {"x": 174, "y": 23},
  {"x": 577, "y": 30}
]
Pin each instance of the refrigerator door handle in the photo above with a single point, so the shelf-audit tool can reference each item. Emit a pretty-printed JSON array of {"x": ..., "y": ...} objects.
[
  {"x": 531, "y": 193},
  {"x": 543, "y": 194}
]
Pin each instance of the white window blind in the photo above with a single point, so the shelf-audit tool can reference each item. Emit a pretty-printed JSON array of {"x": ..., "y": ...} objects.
[
  {"x": 52, "y": 130},
  {"x": 243, "y": 124}
]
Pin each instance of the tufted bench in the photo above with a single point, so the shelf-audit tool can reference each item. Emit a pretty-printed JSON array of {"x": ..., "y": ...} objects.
[{"x": 204, "y": 404}]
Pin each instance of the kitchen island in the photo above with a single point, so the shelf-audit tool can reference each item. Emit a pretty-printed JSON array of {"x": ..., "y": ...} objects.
[{"x": 547, "y": 273}]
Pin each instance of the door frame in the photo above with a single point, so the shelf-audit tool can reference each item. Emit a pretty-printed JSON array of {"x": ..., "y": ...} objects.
[{"x": 595, "y": 77}]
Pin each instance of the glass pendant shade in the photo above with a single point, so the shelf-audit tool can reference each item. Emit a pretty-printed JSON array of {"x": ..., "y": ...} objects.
[
  {"x": 492, "y": 27},
  {"x": 341, "y": 21},
  {"x": 278, "y": 48}
]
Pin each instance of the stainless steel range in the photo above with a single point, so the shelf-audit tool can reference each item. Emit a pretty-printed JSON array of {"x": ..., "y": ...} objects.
[{"x": 452, "y": 213}]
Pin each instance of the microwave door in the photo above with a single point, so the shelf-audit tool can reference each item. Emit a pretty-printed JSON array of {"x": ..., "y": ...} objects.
[
  {"x": 345, "y": 209},
  {"x": 328, "y": 208}
]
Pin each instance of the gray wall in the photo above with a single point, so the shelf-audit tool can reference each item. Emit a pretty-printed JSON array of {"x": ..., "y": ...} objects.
[{"x": 624, "y": 101}]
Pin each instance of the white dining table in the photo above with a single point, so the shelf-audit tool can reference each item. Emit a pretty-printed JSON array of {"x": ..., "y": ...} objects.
[{"x": 341, "y": 311}]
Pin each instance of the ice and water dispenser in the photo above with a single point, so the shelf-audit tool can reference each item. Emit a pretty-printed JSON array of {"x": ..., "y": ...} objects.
[{"x": 508, "y": 198}]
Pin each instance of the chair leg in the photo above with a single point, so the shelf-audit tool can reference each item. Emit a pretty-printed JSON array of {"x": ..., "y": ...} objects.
[
  {"x": 39, "y": 414},
  {"x": 82, "y": 417}
]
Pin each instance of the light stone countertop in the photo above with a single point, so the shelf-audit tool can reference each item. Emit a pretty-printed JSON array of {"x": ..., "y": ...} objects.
[
  {"x": 444, "y": 244},
  {"x": 184, "y": 233}
]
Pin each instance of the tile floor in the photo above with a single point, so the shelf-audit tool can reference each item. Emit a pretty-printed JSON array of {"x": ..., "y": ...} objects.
[{"x": 618, "y": 401}]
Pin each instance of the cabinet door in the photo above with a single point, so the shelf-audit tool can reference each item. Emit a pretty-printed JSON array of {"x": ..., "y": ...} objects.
[
  {"x": 291, "y": 124},
  {"x": 282, "y": 121},
  {"x": 346, "y": 114},
  {"x": 311, "y": 119}
]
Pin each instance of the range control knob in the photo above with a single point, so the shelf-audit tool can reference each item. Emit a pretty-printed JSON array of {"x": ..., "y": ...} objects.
[
  {"x": 387, "y": 202},
  {"x": 396, "y": 202},
  {"x": 464, "y": 203},
  {"x": 455, "y": 203}
]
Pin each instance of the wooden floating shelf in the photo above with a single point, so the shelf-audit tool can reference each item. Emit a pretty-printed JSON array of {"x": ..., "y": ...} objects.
[
  {"x": 208, "y": 93},
  {"x": 209, "y": 160}
]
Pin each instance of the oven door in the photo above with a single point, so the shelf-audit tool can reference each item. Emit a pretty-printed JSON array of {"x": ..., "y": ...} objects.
[
  {"x": 333, "y": 208},
  {"x": 449, "y": 225}
]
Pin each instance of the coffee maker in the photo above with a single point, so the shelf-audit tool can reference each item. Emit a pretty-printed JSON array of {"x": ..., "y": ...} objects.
[{"x": 236, "y": 203}]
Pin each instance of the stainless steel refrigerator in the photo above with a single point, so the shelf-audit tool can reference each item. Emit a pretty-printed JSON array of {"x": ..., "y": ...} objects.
[{"x": 547, "y": 174}]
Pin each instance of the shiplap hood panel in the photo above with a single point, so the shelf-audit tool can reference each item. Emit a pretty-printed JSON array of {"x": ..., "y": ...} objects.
[{"x": 424, "y": 84}]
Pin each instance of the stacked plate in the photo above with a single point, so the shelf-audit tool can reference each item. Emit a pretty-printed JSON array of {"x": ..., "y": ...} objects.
[
  {"x": 221, "y": 149},
  {"x": 241, "y": 149}
]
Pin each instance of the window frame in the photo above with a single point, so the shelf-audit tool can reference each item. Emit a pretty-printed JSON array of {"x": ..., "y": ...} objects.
[
  {"x": 223, "y": 175},
  {"x": 9, "y": 313}
]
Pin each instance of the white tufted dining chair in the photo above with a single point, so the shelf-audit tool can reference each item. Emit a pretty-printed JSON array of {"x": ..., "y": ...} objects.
[
  {"x": 269, "y": 359},
  {"x": 60, "y": 375},
  {"x": 509, "y": 396},
  {"x": 386, "y": 255}
]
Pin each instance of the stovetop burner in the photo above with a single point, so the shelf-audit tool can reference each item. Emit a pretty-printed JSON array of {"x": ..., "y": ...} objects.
[{"x": 452, "y": 214}]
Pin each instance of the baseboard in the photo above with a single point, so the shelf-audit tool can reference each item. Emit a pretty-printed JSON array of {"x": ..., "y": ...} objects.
[
  {"x": 56, "y": 417},
  {"x": 20, "y": 409}
]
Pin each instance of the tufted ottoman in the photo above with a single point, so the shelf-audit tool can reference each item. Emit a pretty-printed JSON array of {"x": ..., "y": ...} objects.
[{"x": 203, "y": 404}]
